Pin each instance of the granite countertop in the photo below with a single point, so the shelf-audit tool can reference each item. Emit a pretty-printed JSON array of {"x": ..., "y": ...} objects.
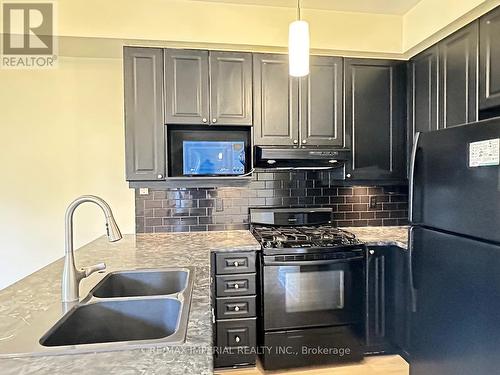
[
  {"x": 22, "y": 302},
  {"x": 382, "y": 236}
]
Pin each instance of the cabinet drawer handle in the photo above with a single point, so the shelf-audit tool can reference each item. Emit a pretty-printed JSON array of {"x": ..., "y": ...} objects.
[
  {"x": 236, "y": 309},
  {"x": 236, "y": 264},
  {"x": 236, "y": 286},
  {"x": 237, "y": 339}
]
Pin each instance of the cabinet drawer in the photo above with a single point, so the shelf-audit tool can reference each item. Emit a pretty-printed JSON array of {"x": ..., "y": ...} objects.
[
  {"x": 236, "y": 333},
  {"x": 227, "y": 263},
  {"x": 236, "y": 307},
  {"x": 235, "y": 338},
  {"x": 235, "y": 285}
]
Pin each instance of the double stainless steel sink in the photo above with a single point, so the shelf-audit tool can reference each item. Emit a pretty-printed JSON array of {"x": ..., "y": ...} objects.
[{"x": 125, "y": 310}]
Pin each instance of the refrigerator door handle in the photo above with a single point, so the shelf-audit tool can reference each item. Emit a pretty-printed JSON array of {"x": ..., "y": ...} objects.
[
  {"x": 413, "y": 292},
  {"x": 412, "y": 176}
]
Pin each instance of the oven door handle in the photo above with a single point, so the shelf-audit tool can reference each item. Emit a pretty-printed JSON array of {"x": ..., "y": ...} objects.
[{"x": 312, "y": 262}]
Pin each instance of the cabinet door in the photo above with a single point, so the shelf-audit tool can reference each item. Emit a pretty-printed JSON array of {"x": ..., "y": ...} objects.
[
  {"x": 186, "y": 86},
  {"x": 321, "y": 103},
  {"x": 275, "y": 102},
  {"x": 375, "y": 110},
  {"x": 489, "y": 83},
  {"x": 144, "y": 124},
  {"x": 458, "y": 55},
  {"x": 423, "y": 85},
  {"x": 388, "y": 300},
  {"x": 230, "y": 88}
]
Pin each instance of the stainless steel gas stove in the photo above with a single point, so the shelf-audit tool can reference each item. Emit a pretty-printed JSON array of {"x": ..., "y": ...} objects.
[{"x": 313, "y": 288}]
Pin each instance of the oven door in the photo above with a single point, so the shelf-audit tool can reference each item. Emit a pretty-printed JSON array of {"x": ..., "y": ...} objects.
[{"x": 299, "y": 294}]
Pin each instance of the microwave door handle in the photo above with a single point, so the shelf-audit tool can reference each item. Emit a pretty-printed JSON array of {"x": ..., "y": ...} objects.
[{"x": 312, "y": 262}]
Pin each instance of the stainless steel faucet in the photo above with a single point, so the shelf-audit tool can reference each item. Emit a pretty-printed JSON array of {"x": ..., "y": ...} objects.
[{"x": 71, "y": 275}]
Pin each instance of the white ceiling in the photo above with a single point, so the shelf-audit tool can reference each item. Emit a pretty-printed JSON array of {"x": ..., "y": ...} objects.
[{"x": 397, "y": 7}]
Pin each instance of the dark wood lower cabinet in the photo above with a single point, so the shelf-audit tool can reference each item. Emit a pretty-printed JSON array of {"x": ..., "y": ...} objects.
[
  {"x": 388, "y": 301},
  {"x": 234, "y": 308}
]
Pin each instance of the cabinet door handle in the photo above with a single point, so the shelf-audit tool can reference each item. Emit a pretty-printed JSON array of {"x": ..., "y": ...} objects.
[
  {"x": 304, "y": 141},
  {"x": 295, "y": 141},
  {"x": 204, "y": 120},
  {"x": 160, "y": 176},
  {"x": 214, "y": 120}
]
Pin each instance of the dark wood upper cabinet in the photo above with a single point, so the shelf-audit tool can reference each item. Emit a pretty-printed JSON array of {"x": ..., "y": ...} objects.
[
  {"x": 458, "y": 75},
  {"x": 423, "y": 86},
  {"x": 375, "y": 110},
  {"x": 231, "y": 88},
  {"x": 275, "y": 102},
  {"x": 186, "y": 86},
  {"x": 489, "y": 82},
  {"x": 321, "y": 104},
  {"x": 208, "y": 87},
  {"x": 144, "y": 122}
]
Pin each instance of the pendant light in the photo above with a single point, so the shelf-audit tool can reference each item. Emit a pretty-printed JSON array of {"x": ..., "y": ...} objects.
[{"x": 298, "y": 46}]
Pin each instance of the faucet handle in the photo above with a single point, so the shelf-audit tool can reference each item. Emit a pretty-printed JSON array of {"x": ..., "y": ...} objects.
[{"x": 95, "y": 268}]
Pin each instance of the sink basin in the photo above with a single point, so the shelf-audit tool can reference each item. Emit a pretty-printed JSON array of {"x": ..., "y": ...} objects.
[
  {"x": 114, "y": 321},
  {"x": 141, "y": 283}
]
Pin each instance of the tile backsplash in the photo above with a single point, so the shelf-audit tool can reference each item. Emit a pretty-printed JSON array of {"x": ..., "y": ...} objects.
[{"x": 202, "y": 209}]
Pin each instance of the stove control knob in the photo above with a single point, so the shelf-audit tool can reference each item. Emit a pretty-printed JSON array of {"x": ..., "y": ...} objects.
[
  {"x": 236, "y": 309},
  {"x": 237, "y": 339},
  {"x": 236, "y": 264}
]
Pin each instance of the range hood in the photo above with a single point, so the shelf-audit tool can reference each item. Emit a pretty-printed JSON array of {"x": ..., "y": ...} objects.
[{"x": 281, "y": 157}]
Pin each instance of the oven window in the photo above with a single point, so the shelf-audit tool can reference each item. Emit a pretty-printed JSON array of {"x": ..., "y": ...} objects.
[{"x": 314, "y": 291}]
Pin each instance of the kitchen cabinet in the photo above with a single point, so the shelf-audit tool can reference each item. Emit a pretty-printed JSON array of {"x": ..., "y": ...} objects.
[
  {"x": 186, "y": 87},
  {"x": 205, "y": 87},
  {"x": 489, "y": 83},
  {"x": 458, "y": 76},
  {"x": 276, "y": 94},
  {"x": 144, "y": 122},
  {"x": 279, "y": 100},
  {"x": 234, "y": 308},
  {"x": 321, "y": 104},
  {"x": 375, "y": 112},
  {"x": 231, "y": 88},
  {"x": 388, "y": 300},
  {"x": 423, "y": 86}
]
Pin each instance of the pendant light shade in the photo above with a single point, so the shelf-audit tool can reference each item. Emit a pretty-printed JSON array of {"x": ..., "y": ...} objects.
[{"x": 298, "y": 48}]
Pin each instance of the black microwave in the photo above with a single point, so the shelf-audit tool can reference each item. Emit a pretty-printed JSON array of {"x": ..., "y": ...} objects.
[{"x": 208, "y": 152}]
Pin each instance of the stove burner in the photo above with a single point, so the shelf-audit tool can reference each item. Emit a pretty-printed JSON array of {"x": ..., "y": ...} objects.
[{"x": 303, "y": 237}]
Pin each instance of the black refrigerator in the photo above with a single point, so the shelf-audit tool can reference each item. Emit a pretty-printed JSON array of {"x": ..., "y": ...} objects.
[{"x": 454, "y": 251}]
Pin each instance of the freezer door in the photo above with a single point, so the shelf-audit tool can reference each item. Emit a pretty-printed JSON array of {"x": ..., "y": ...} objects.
[
  {"x": 454, "y": 190},
  {"x": 455, "y": 325}
]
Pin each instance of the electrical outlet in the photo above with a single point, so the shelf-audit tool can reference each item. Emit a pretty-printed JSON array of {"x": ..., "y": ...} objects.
[
  {"x": 143, "y": 191},
  {"x": 373, "y": 202}
]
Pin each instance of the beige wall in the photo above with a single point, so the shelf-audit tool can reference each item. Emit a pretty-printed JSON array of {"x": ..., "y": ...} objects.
[
  {"x": 199, "y": 22},
  {"x": 61, "y": 135},
  {"x": 432, "y": 20}
]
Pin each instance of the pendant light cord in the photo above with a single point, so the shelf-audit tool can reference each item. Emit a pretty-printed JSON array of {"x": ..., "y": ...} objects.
[{"x": 298, "y": 10}]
